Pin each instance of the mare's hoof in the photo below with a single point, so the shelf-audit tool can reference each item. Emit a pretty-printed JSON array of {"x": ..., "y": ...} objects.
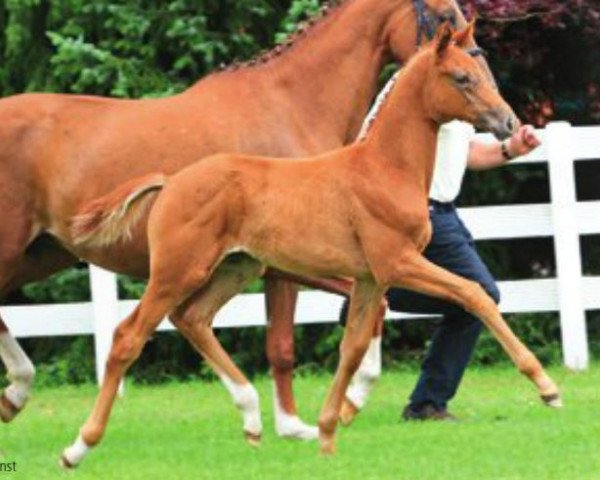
[
  {"x": 292, "y": 428},
  {"x": 253, "y": 439},
  {"x": 8, "y": 411},
  {"x": 348, "y": 412},
  {"x": 553, "y": 400}
]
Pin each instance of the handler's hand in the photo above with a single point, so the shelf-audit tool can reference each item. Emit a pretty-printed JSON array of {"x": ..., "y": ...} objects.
[{"x": 523, "y": 142}]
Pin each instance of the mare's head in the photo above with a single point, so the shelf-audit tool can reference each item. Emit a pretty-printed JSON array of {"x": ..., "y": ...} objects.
[
  {"x": 456, "y": 87},
  {"x": 414, "y": 22}
]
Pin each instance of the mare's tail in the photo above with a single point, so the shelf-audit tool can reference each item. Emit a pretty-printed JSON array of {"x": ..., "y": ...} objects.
[{"x": 110, "y": 218}]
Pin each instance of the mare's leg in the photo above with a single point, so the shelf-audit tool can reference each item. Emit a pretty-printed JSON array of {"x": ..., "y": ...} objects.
[
  {"x": 370, "y": 369},
  {"x": 20, "y": 372},
  {"x": 280, "y": 296},
  {"x": 364, "y": 307},
  {"x": 20, "y": 264},
  {"x": 14, "y": 235},
  {"x": 194, "y": 319},
  {"x": 418, "y": 274}
]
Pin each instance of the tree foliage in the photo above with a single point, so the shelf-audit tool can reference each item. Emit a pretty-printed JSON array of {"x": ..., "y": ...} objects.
[{"x": 547, "y": 55}]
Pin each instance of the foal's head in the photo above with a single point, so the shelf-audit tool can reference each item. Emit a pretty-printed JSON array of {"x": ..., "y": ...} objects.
[{"x": 457, "y": 87}]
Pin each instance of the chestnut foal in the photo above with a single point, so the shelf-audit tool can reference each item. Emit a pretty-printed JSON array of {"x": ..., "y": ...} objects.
[
  {"x": 61, "y": 151},
  {"x": 358, "y": 212}
]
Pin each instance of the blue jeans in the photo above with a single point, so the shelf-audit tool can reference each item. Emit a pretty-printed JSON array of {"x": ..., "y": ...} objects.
[{"x": 451, "y": 247}]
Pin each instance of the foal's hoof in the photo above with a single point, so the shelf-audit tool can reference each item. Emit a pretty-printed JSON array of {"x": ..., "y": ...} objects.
[
  {"x": 327, "y": 446},
  {"x": 253, "y": 439},
  {"x": 348, "y": 412},
  {"x": 65, "y": 464},
  {"x": 8, "y": 411},
  {"x": 552, "y": 400}
]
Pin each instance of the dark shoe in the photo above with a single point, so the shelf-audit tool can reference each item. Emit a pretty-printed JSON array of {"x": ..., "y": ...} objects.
[{"x": 427, "y": 412}]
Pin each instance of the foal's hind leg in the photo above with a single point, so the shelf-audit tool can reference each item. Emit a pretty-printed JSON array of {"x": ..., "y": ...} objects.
[
  {"x": 177, "y": 270},
  {"x": 128, "y": 341},
  {"x": 194, "y": 319}
]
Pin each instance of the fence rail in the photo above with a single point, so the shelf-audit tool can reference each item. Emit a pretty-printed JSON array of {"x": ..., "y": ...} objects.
[{"x": 564, "y": 219}]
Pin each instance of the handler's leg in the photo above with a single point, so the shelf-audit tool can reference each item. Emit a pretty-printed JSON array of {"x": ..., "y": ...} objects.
[{"x": 281, "y": 298}]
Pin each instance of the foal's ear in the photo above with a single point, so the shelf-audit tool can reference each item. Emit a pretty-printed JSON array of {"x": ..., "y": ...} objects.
[
  {"x": 443, "y": 37},
  {"x": 466, "y": 37}
]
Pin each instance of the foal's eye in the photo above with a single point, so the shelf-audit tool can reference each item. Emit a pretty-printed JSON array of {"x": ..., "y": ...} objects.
[{"x": 461, "y": 79}]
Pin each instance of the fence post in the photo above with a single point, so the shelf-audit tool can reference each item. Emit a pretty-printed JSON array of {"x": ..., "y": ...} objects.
[
  {"x": 559, "y": 138},
  {"x": 105, "y": 304}
]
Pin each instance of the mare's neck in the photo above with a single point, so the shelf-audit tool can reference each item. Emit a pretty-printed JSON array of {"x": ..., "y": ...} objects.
[
  {"x": 330, "y": 75},
  {"x": 403, "y": 134}
]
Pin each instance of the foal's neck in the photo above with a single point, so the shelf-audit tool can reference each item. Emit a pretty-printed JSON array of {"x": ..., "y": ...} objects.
[{"x": 403, "y": 134}]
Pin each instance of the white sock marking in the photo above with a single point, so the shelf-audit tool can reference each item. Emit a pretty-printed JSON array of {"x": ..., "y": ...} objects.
[
  {"x": 246, "y": 399},
  {"x": 367, "y": 374},
  {"x": 290, "y": 426},
  {"x": 76, "y": 452},
  {"x": 20, "y": 370}
]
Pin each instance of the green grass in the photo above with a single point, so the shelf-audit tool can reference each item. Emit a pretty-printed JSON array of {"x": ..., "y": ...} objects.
[{"x": 191, "y": 431}]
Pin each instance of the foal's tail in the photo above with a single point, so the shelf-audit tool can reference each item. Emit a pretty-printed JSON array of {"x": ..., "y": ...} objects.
[{"x": 110, "y": 218}]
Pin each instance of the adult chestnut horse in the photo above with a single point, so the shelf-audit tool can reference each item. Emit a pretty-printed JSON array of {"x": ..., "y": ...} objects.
[
  {"x": 368, "y": 212},
  {"x": 59, "y": 151}
]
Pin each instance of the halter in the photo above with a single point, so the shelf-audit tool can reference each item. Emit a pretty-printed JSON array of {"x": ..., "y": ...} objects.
[
  {"x": 477, "y": 52},
  {"x": 425, "y": 24}
]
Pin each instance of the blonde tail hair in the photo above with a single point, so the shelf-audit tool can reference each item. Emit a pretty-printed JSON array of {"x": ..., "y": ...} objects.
[{"x": 110, "y": 218}]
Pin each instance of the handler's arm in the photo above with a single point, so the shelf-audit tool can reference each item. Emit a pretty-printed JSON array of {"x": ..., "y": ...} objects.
[{"x": 484, "y": 155}]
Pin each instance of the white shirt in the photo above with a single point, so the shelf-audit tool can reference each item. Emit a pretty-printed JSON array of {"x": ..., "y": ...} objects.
[{"x": 451, "y": 155}]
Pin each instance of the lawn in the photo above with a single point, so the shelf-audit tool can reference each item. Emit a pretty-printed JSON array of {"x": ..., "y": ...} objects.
[{"x": 191, "y": 431}]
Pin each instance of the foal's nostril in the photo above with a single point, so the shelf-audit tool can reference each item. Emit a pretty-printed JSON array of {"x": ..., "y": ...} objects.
[{"x": 510, "y": 124}]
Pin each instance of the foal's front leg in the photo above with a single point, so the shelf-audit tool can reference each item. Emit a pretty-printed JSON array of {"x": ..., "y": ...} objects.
[
  {"x": 364, "y": 306},
  {"x": 367, "y": 375},
  {"x": 416, "y": 273}
]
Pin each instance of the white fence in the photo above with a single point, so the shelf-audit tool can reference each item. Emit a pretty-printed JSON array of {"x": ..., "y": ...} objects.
[{"x": 564, "y": 218}]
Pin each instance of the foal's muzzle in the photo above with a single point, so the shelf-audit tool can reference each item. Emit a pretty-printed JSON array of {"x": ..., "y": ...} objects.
[{"x": 502, "y": 123}]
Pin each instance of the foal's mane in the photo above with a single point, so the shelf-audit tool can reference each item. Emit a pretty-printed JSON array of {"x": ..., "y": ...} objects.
[{"x": 302, "y": 31}]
